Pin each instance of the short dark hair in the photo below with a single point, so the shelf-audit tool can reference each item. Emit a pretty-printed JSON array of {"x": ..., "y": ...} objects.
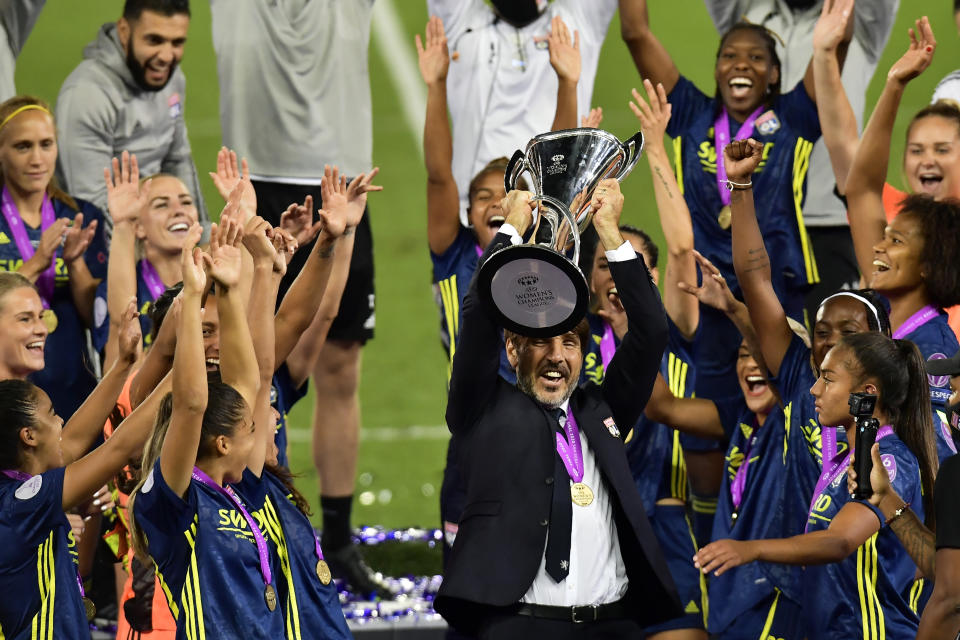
[
  {"x": 133, "y": 9},
  {"x": 649, "y": 246},
  {"x": 582, "y": 331},
  {"x": 939, "y": 222},
  {"x": 18, "y": 409}
]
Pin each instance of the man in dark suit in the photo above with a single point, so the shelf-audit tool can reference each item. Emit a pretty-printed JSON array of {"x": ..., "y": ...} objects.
[{"x": 554, "y": 541}]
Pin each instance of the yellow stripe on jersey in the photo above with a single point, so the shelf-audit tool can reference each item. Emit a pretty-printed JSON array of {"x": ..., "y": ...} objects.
[
  {"x": 916, "y": 590},
  {"x": 787, "y": 412},
  {"x": 871, "y": 613},
  {"x": 771, "y": 615},
  {"x": 704, "y": 601},
  {"x": 678, "y": 161},
  {"x": 42, "y": 624},
  {"x": 801, "y": 162},
  {"x": 451, "y": 309},
  {"x": 706, "y": 505},
  {"x": 191, "y": 599},
  {"x": 275, "y": 531},
  {"x": 677, "y": 381}
]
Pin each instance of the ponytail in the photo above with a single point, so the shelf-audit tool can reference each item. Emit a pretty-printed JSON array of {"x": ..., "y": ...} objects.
[
  {"x": 151, "y": 453},
  {"x": 286, "y": 479}
]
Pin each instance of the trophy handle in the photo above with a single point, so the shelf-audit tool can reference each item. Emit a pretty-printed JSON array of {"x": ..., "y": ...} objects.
[
  {"x": 515, "y": 167},
  {"x": 632, "y": 147}
]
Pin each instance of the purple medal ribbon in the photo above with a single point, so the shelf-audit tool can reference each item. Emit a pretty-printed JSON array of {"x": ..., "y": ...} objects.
[
  {"x": 47, "y": 279},
  {"x": 152, "y": 279},
  {"x": 569, "y": 449},
  {"x": 740, "y": 479},
  {"x": 316, "y": 542},
  {"x": 479, "y": 250},
  {"x": 838, "y": 464},
  {"x": 608, "y": 346},
  {"x": 914, "y": 322},
  {"x": 23, "y": 477},
  {"x": 721, "y": 134},
  {"x": 203, "y": 478}
]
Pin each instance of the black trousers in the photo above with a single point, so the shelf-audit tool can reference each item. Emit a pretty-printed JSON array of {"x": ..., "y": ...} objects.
[
  {"x": 517, "y": 627},
  {"x": 836, "y": 263}
]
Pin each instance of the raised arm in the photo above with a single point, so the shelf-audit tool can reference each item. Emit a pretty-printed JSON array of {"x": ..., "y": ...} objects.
[
  {"x": 869, "y": 169},
  {"x": 179, "y": 158},
  {"x": 684, "y": 310},
  {"x": 565, "y": 60},
  {"x": 649, "y": 55},
  {"x": 178, "y": 454},
  {"x": 86, "y": 424},
  {"x": 836, "y": 18},
  {"x": 226, "y": 178},
  {"x": 443, "y": 200},
  {"x": 750, "y": 260}
]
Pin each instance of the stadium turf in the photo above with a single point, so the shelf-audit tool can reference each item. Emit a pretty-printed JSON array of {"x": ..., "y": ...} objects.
[{"x": 404, "y": 368}]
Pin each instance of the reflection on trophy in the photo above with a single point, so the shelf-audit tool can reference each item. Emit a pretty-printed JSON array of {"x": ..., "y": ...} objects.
[{"x": 536, "y": 287}]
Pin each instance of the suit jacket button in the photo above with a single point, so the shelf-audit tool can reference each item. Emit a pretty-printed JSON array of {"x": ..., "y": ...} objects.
[
  {"x": 549, "y": 480},
  {"x": 544, "y": 522}
]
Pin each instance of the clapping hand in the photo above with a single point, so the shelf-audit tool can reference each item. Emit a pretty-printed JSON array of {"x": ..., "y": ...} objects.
[
  {"x": 125, "y": 197},
  {"x": 593, "y": 119},
  {"x": 653, "y": 115},
  {"x": 564, "y": 51},
  {"x": 285, "y": 246},
  {"x": 433, "y": 56},
  {"x": 919, "y": 54},
  {"x": 741, "y": 158},
  {"x": 297, "y": 221},
  {"x": 343, "y": 204},
  {"x": 191, "y": 262},
  {"x": 713, "y": 290},
  {"x": 77, "y": 238},
  {"x": 258, "y": 240},
  {"x": 227, "y": 177},
  {"x": 223, "y": 261},
  {"x": 130, "y": 337}
]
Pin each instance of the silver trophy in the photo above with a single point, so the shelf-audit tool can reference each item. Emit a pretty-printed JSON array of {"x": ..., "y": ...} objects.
[{"x": 536, "y": 287}]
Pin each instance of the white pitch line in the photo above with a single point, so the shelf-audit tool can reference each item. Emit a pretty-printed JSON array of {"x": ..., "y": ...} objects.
[
  {"x": 382, "y": 434},
  {"x": 396, "y": 49}
]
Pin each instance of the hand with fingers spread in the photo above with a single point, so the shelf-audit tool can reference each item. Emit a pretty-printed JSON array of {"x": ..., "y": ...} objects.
[
  {"x": 126, "y": 198},
  {"x": 227, "y": 177},
  {"x": 564, "y": 51},
  {"x": 257, "y": 238},
  {"x": 432, "y": 55},
  {"x": 191, "y": 261},
  {"x": 223, "y": 262},
  {"x": 297, "y": 221},
  {"x": 834, "y": 26},
  {"x": 343, "y": 204},
  {"x": 593, "y": 119},
  {"x": 713, "y": 290},
  {"x": 722, "y": 555},
  {"x": 919, "y": 54},
  {"x": 50, "y": 241},
  {"x": 653, "y": 115},
  {"x": 613, "y": 313},
  {"x": 741, "y": 158},
  {"x": 130, "y": 335},
  {"x": 77, "y": 238}
]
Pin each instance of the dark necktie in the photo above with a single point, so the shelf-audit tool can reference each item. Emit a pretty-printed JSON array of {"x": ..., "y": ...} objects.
[{"x": 561, "y": 512}]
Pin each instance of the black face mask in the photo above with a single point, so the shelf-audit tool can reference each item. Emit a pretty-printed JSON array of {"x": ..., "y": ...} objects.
[
  {"x": 518, "y": 13},
  {"x": 799, "y": 5}
]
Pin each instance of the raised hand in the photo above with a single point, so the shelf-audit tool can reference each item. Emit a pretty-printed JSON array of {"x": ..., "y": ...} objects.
[
  {"x": 741, "y": 158},
  {"x": 50, "y": 241},
  {"x": 612, "y": 311},
  {"x": 518, "y": 210},
  {"x": 227, "y": 177},
  {"x": 166, "y": 340},
  {"x": 593, "y": 119},
  {"x": 433, "y": 56},
  {"x": 607, "y": 203},
  {"x": 297, "y": 221},
  {"x": 125, "y": 197},
  {"x": 191, "y": 261},
  {"x": 713, "y": 291},
  {"x": 130, "y": 337},
  {"x": 77, "y": 239},
  {"x": 834, "y": 25},
  {"x": 285, "y": 246},
  {"x": 919, "y": 54},
  {"x": 653, "y": 115},
  {"x": 343, "y": 204},
  {"x": 564, "y": 51},
  {"x": 257, "y": 238},
  {"x": 223, "y": 261}
]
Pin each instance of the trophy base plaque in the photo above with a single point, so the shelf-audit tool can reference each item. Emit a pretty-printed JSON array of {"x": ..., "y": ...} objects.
[{"x": 534, "y": 291}]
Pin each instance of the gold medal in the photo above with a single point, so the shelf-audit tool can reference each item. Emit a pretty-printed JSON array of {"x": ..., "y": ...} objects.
[
  {"x": 581, "y": 494},
  {"x": 323, "y": 572},
  {"x": 49, "y": 318},
  {"x": 89, "y": 608},
  {"x": 723, "y": 219},
  {"x": 270, "y": 597}
]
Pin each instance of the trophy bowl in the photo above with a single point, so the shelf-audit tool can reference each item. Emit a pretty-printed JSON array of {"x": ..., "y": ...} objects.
[{"x": 536, "y": 287}]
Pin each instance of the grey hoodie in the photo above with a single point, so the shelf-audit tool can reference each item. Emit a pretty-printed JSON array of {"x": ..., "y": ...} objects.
[{"x": 101, "y": 111}]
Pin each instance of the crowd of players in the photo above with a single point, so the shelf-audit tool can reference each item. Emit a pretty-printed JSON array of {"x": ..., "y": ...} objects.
[{"x": 145, "y": 382}]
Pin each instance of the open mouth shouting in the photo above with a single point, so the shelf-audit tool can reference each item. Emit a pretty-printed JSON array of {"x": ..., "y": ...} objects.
[
  {"x": 740, "y": 87},
  {"x": 930, "y": 181},
  {"x": 495, "y": 222},
  {"x": 756, "y": 386},
  {"x": 213, "y": 364}
]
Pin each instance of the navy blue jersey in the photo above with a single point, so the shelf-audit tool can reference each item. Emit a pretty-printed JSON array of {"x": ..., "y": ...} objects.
[
  {"x": 936, "y": 340},
  {"x": 311, "y": 609},
  {"x": 101, "y": 317},
  {"x": 283, "y": 395},
  {"x": 207, "y": 561},
  {"x": 862, "y": 596},
  {"x": 452, "y": 271},
  {"x": 787, "y": 130},
  {"x": 67, "y": 376},
  {"x": 780, "y": 480},
  {"x": 38, "y": 562},
  {"x": 794, "y": 380}
]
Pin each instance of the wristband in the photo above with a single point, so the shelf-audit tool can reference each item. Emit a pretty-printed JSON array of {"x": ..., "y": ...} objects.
[
  {"x": 738, "y": 186},
  {"x": 896, "y": 514}
]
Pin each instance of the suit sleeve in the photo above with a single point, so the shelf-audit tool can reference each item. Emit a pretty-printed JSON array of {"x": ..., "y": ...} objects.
[
  {"x": 629, "y": 379},
  {"x": 179, "y": 162},
  {"x": 477, "y": 359}
]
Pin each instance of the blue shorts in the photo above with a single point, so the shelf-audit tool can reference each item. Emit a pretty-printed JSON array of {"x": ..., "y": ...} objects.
[
  {"x": 775, "y": 617},
  {"x": 675, "y": 535}
]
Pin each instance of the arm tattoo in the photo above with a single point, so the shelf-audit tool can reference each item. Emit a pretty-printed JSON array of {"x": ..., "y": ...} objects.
[
  {"x": 325, "y": 251},
  {"x": 666, "y": 183},
  {"x": 757, "y": 259},
  {"x": 917, "y": 540}
]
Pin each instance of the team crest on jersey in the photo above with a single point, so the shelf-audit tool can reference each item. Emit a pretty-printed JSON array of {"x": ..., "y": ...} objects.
[
  {"x": 29, "y": 488},
  {"x": 890, "y": 464},
  {"x": 175, "y": 107},
  {"x": 611, "y": 427},
  {"x": 937, "y": 381},
  {"x": 768, "y": 124}
]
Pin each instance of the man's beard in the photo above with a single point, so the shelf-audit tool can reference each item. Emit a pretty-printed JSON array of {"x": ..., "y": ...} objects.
[
  {"x": 526, "y": 383},
  {"x": 801, "y": 4},
  {"x": 139, "y": 72}
]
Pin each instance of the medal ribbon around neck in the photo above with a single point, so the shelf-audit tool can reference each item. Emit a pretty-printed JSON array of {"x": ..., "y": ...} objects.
[
  {"x": 47, "y": 279},
  {"x": 914, "y": 322},
  {"x": 721, "y": 138},
  {"x": 569, "y": 448},
  {"x": 608, "y": 346},
  {"x": 740, "y": 479},
  {"x": 152, "y": 279},
  {"x": 262, "y": 551},
  {"x": 837, "y": 463},
  {"x": 23, "y": 477}
]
